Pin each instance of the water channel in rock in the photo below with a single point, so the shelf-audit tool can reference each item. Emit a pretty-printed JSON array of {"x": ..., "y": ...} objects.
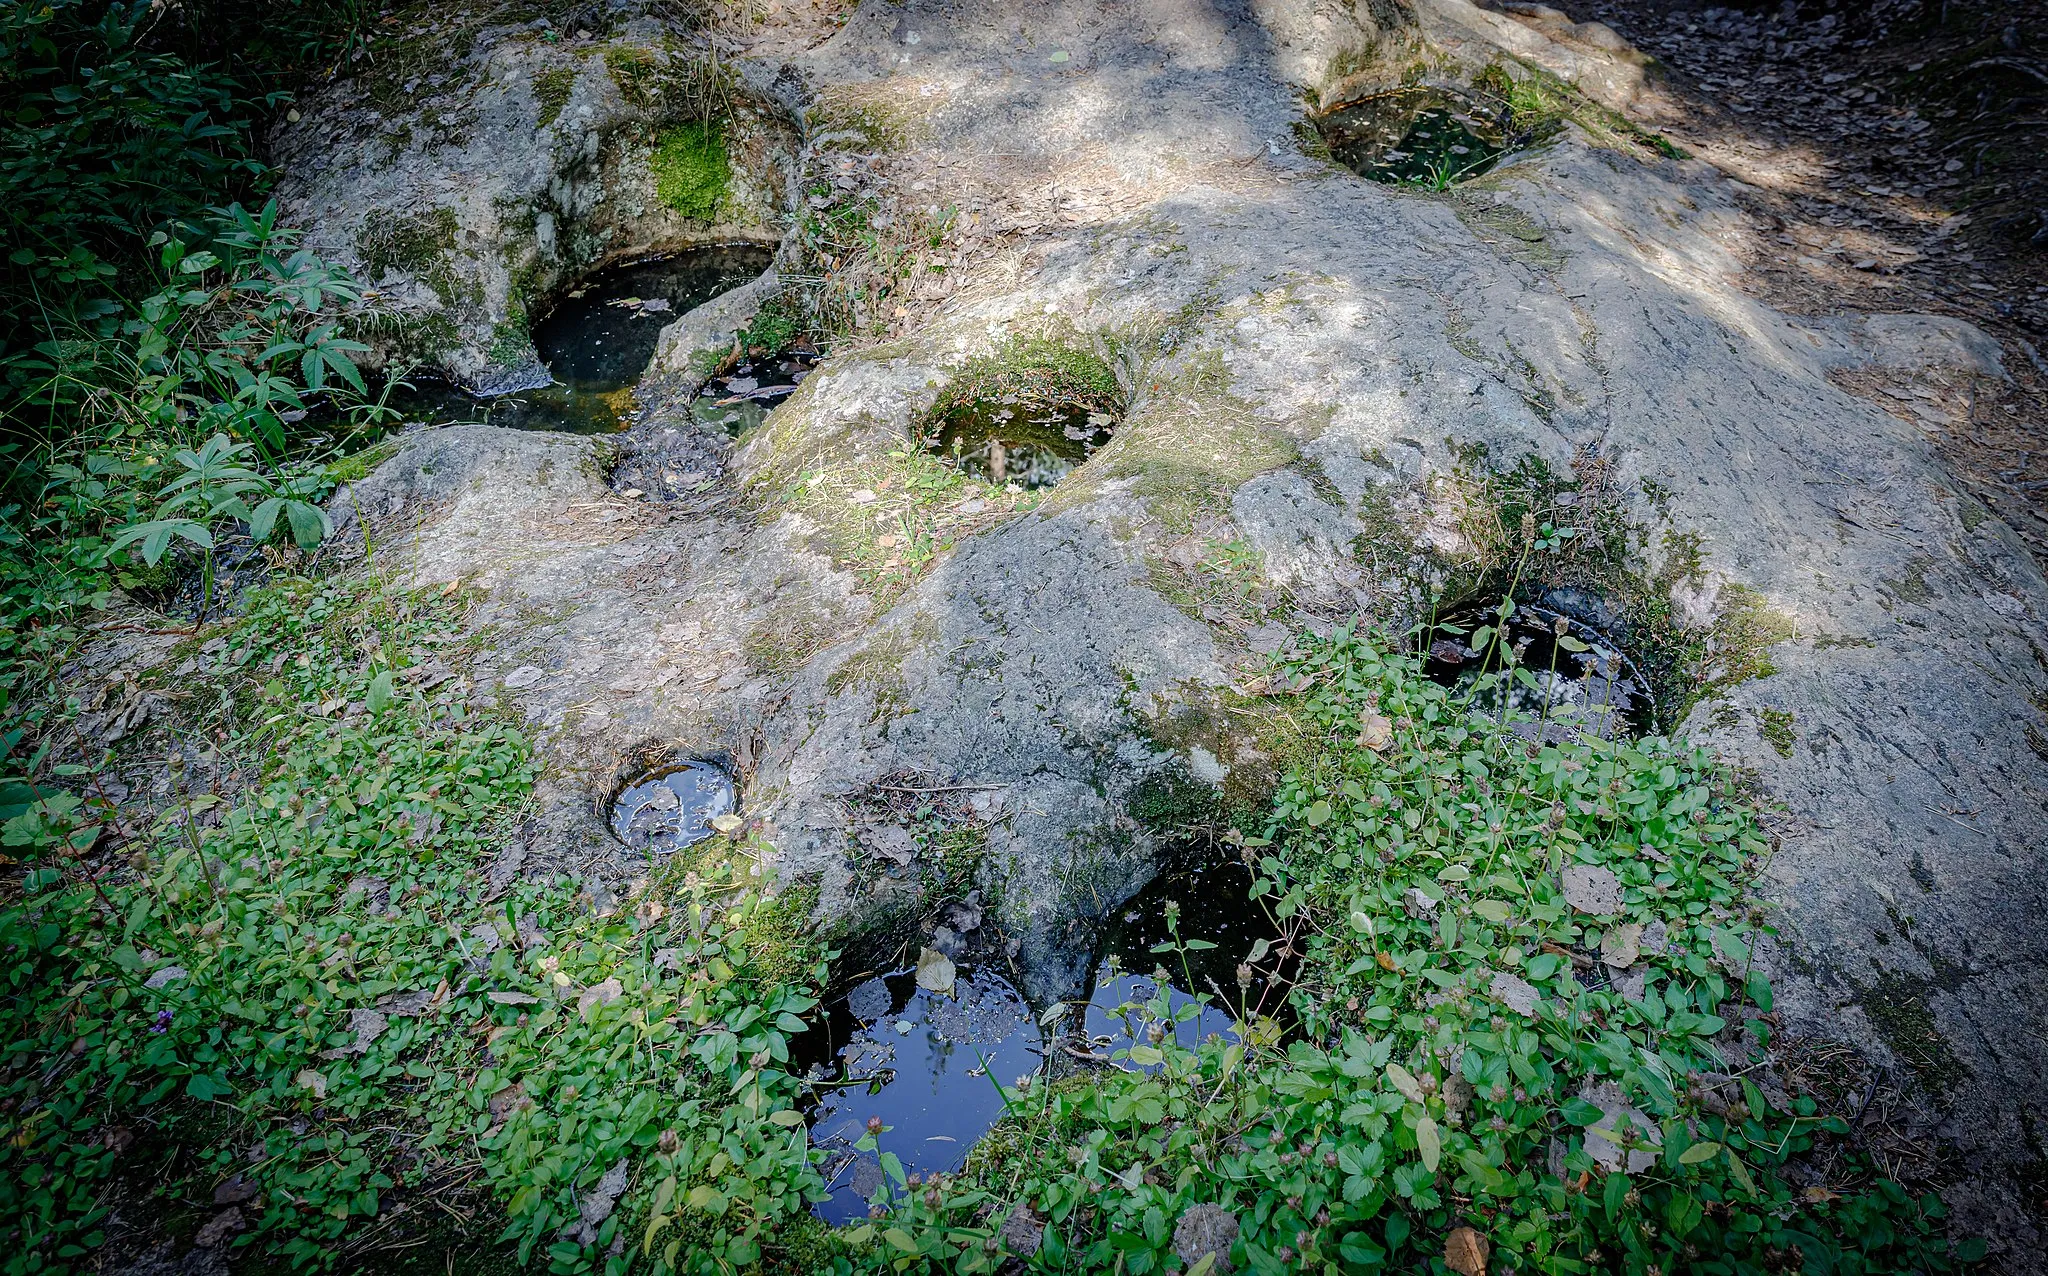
[{"x": 1563, "y": 676}]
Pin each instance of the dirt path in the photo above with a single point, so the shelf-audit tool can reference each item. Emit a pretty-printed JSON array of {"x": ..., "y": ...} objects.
[{"x": 1894, "y": 156}]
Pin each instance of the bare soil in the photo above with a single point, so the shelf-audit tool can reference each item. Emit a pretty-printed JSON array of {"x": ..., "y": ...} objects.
[{"x": 1896, "y": 154}]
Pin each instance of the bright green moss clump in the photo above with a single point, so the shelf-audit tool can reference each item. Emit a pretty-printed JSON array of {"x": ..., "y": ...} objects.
[{"x": 692, "y": 171}]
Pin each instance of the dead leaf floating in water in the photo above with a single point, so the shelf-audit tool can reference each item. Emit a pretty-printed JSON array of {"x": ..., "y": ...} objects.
[{"x": 935, "y": 971}]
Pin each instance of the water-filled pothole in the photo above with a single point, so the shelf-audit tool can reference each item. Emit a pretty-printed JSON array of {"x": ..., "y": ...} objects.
[
  {"x": 928, "y": 1060},
  {"x": 673, "y": 806},
  {"x": 602, "y": 334},
  {"x": 1415, "y": 136},
  {"x": 734, "y": 399},
  {"x": 926, "y": 1064},
  {"x": 1193, "y": 930},
  {"x": 597, "y": 341},
  {"x": 1565, "y": 677},
  {"x": 1010, "y": 439}
]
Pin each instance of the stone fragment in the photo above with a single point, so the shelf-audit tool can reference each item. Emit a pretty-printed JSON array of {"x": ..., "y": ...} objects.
[
  {"x": 1023, "y": 1231},
  {"x": 1591, "y": 889},
  {"x": 1514, "y": 992},
  {"x": 1205, "y": 1229},
  {"x": 217, "y": 1229},
  {"x": 168, "y": 974}
]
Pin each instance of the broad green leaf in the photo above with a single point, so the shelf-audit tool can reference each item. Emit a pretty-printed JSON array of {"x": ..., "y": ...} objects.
[
  {"x": 1579, "y": 1112},
  {"x": 379, "y": 696},
  {"x": 1429, "y": 1143}
]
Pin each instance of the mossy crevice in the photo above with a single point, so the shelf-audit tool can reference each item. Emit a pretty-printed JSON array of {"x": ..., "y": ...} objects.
[
  {"x": 1540, "y": 104},
  {"x": 1897, "y": 1008},
  {"x": 877, "y": 667},
  {"x": 787, "y": 637},
  {"x": 417, "y": 244},
  {"x": 552, "y": 90},
  {"x": 1254, "y": 736}
]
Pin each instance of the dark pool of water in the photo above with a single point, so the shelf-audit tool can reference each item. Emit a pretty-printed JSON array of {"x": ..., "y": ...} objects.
[
  {"x": 1007, "y": 440},
  {"x": 600, "y": 336},
  {"x": 431, "y": 401},
  {"x": 595, "y": 344},
  {"x": 1144, "y": 955},
  {"x": 737, "y": 398},
  {"x": 673, "y": 806},
  {"x": 1418, "y": 136},
  {"x": 1563, "y": 692},
  {"x": 928, "y": 1064}
]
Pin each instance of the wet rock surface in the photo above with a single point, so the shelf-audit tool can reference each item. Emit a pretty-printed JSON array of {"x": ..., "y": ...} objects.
[{"x": 1324, "y": 357}]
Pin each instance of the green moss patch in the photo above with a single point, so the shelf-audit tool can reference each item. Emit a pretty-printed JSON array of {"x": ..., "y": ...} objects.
[
  {"x": 551, "y": 91},
  {"x": 787, "y": 637},
  {"x": 1779, "y": 730},
  {"x": 1538, "y": 105},
  {"x": 1189, "y": 446},
  {"x": 413, "y": 243},
  {"x": 636, "y": 73},
  {"x": 1897, "y": 1007},
  {"x": 692, "y": 171}
]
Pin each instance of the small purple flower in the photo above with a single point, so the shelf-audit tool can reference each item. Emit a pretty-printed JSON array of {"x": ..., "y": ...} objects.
[{"x": 163, "y": 1022}]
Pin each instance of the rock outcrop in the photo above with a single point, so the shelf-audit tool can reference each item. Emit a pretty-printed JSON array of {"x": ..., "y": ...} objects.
[
  {"x": 482, "y": 164},
  {"x": 1333, "y": 380}
]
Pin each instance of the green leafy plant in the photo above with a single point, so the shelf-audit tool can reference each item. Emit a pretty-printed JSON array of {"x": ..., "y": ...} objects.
[{"x": 1526, "y": 1008}]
